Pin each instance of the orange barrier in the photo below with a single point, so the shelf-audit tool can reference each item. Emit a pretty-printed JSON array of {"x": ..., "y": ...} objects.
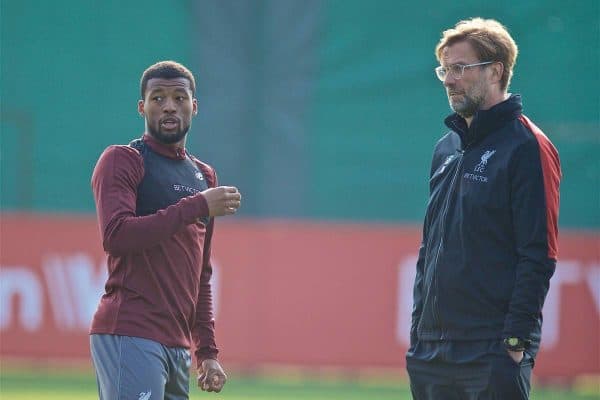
[{"x": 286, "y": 292}]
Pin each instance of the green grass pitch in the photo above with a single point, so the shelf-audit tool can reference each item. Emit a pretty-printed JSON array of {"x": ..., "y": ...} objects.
[{"x": 26, "y": 384}]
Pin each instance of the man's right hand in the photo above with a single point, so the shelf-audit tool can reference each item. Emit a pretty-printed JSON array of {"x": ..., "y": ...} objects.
[{"x": 222, "y": 200}]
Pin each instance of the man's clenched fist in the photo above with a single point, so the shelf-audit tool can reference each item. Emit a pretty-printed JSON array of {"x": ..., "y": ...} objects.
[
  {"x": 212, "y": 377},
  {"x": 222, "y": 200}
]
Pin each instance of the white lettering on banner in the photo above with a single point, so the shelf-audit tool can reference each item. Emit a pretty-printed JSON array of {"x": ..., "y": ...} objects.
[
  {"x": 74, "y": 286},
  {"x": 74, "y": 289},
  {"x": 407, "y": 270},
  {"x": 568, "y": 272},
  {"x": 18, "y": 281},
  {"x": 593, "y": 279}
]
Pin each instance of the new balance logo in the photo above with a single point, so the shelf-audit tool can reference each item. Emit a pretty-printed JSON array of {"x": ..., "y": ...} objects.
[
  {"x": 145, "y": 395},
  {"x": 484, "y": 160},
  {"x": 446, "y": 163}
]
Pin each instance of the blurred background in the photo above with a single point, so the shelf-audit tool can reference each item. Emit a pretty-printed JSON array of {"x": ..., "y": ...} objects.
[{"x": 324, "y": 114}]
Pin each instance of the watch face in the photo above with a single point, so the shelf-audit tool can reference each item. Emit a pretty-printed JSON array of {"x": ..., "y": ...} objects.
[{"x": 513, "y": 341}]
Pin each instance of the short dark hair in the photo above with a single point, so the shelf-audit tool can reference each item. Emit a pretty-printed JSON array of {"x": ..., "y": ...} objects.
[{"x": 166, "y": 70}]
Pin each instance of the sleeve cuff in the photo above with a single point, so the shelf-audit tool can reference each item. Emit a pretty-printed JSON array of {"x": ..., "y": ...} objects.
[
  {"x": 202, "y": 206},
  {"x": 212, "y": 355}
]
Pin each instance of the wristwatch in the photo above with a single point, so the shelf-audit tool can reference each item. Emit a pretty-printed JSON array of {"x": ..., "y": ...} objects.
[{"x": 515, "y": 344}]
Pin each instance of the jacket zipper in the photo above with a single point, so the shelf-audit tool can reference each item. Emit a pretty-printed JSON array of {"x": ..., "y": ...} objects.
[{"x": 436, "y": 313}]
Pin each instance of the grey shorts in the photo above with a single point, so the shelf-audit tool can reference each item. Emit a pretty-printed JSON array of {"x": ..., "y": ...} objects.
[{"x": 132, "y": 368}]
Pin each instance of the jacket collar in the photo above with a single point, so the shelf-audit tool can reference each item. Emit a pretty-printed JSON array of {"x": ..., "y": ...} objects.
[
  {"x": 485, "y": 121},
  {"x": 177, "y": 153}
]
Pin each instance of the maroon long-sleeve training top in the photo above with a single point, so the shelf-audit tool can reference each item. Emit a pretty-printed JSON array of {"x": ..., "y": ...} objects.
[{"x": 158, "y": 260}]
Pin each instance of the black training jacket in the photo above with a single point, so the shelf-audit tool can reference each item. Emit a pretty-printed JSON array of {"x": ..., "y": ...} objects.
[{"x": 490, "y": 233}]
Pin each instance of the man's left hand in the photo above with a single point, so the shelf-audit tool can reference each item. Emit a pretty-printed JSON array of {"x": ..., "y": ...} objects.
[
  {"x": 517, "y": 356},
  {"x": 212, "y": 378}
]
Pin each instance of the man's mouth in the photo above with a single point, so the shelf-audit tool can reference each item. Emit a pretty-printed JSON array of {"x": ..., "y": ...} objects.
[{"x": 169, "y": 123}]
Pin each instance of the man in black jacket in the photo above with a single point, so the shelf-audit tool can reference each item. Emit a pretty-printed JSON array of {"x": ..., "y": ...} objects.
[{"x": 490, "y": 233}]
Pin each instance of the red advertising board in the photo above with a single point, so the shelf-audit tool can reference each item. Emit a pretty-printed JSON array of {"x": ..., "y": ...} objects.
[{"x": 285, "y": 292}]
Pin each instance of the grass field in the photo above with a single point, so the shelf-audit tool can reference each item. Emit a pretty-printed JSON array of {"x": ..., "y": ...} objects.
[{"x": 22, "y": 384}]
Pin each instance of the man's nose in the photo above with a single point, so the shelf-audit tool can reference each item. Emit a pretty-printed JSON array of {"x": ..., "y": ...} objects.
[
  {"x": 169, "y": 105},
  {"x": 449, "y": 80}
]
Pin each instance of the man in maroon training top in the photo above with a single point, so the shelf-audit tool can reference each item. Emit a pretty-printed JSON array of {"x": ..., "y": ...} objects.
[{"x": 156, "y": 205}]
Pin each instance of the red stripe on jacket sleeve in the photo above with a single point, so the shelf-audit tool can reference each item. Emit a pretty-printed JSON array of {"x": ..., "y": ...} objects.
[{"x": 552, "y": 175}]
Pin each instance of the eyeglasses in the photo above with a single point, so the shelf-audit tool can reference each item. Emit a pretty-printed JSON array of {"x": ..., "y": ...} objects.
[{"x": 457, "y": 70}]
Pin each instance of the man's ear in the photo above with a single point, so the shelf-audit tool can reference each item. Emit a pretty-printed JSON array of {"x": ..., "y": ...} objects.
[
  {"x": 497, "y": 71},
  {"x": 141, "y": 107},
  {"x": 194, "y": 106}
]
